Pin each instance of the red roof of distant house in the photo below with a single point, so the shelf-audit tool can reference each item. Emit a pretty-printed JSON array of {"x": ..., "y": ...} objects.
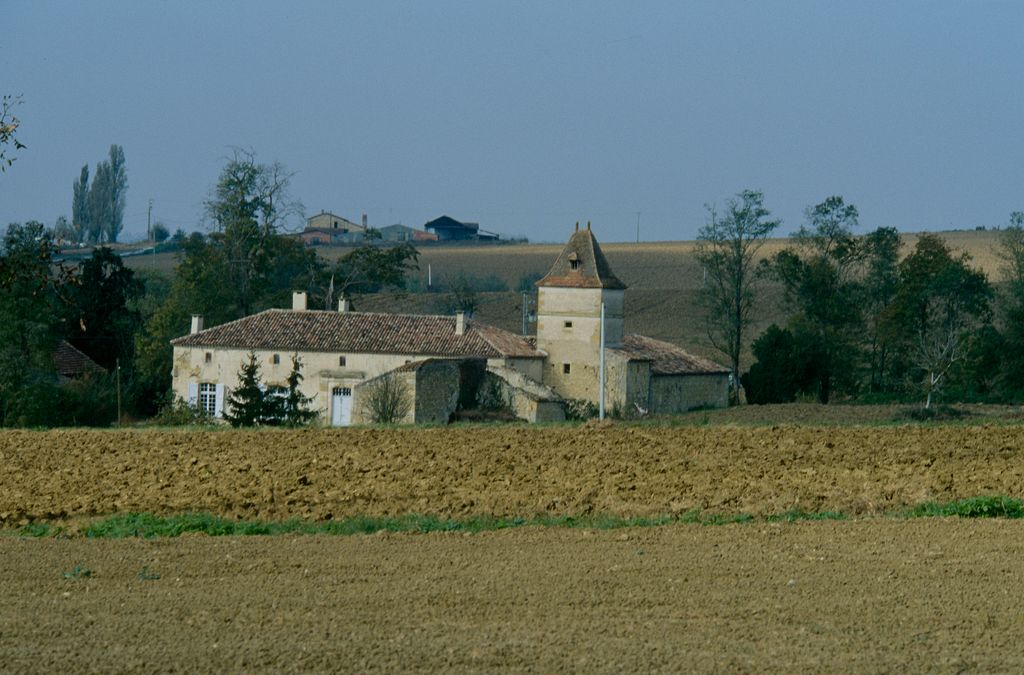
[{"x": 70, "y": 362}]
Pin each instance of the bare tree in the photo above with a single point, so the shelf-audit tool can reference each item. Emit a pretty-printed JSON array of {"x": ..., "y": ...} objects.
[
  {"x": 727, "y": 249},
  {"x": 387, "y": 400},
  {"x": 941, "y": 343}
]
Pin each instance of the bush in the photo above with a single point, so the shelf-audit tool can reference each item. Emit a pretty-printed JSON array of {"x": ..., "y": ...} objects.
[
  {"x": 176, "y": 412},
  {"x": 387, "y": 399},
  {"x": 579, "y": 410},
  {"x": 938, "y": 413}
]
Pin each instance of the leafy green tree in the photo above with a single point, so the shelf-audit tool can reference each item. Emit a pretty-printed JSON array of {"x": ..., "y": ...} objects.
[
  {"x": 99, "y": 203},
  {"x": 249, "y": 404},
  {"x": 98, "y": 313},
  {"x": 727, "y": 249},
  {"x": 1011, "y": 307},
  {"x": 64, "y": 231},
  {"x": 160, "y": 232},
  {"x": 821, "y": 275},
  {"x": 772, "y": 377},
  {"x": 9, "y": 124},
  {"x": 881, "y": 284},
  {"x": 941, "y": 305},
  {"x": 80, "y": 212},
  {"x": 368, "y": 269},
  {"x": 295, "y": 408},
  {"x": 118, "y": 187},
  {"x": 248, "y": 205},
  {"x": 29, "y": 328},
  {"x": 106, "y": 197}
]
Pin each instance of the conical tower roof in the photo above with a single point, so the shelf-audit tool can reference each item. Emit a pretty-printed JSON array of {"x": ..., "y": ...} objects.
[{"x": 581, "y": 264}]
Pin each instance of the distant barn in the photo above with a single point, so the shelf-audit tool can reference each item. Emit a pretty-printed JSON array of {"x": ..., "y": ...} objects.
[{"x": 449, "y": 229}]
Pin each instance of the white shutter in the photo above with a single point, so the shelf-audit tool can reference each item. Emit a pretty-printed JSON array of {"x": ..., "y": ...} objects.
[
  {"x": 218, "y": 405},
  {"x": 193, "y": 393}
]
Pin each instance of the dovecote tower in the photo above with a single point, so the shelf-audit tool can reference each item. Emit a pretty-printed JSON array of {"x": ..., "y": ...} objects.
[{"x": 569, "y": 316}]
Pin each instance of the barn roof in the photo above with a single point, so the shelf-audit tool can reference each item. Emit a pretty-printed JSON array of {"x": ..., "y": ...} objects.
[{"x": 667, "y": 358}]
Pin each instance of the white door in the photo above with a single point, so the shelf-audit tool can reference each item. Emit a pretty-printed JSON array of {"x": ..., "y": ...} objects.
[{"x": 341, "y": 406}]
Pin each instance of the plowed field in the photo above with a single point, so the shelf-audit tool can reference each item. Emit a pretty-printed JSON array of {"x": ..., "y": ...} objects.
[
  {"x": 501, "y": 471},
  {"x": 871, "y": 595}
]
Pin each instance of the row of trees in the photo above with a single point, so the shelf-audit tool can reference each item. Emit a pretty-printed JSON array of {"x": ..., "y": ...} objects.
[
  {"x": 97, "y": 207},
  {"x": 862, "y": 322}
]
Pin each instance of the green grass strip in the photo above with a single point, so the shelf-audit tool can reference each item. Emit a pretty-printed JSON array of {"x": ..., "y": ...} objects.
[{"x": 144, "y": 525}]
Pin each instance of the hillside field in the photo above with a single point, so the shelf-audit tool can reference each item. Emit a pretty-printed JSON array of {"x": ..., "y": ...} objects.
[{"x": 663, "y": 280}]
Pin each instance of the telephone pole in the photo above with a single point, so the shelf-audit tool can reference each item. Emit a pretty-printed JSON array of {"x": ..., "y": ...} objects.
[
  {"x": 149, "y": 222},
  {"x": 638, "y": 227}
]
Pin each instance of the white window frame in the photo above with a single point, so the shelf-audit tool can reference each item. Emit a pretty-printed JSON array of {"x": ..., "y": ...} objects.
[{"x": 207, "y": 398}]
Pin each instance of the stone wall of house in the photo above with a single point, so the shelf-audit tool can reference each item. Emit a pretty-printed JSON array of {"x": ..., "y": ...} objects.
[
  {"x": 626, "y": 383},
  {"x": 679, "y": 393},
  {"x": 529, "y": 400},
  {"x": 436, "y": 392},
  {"x": 321, "y": 371}
]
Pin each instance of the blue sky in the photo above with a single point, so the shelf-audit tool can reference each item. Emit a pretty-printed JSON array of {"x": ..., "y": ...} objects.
[{"x": 528, "y": 116}]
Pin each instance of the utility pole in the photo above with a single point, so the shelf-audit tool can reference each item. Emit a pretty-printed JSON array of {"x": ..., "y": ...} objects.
[
  {"x": 638, "y": 227},
  {"x": 149, "y": 222},
  {"x": 117, "y": 369},
  {"x": 526, "y": 313},
  {"x": 600, "y": 395}
]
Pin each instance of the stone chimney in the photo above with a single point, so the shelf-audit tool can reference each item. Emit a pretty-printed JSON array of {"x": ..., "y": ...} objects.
[
  {"x": 344, "y": 305},
  {"x": 364, "y": 221},
  {"x": 299, "y": 301},
  {"x": 197, "y": 323},
  {"x": 460, "y": 323}
]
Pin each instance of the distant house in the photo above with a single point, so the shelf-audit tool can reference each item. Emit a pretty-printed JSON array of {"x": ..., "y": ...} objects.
[
  {"x": 400, "y": 233},
  {"x": 449, "y": 229},
  {"x": 327, "y": 228}
]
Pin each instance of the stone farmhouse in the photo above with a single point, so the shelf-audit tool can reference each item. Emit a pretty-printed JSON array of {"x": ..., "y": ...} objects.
[
  {"x": 346, "y": 354},
  {"x": 326, "y": 228}
]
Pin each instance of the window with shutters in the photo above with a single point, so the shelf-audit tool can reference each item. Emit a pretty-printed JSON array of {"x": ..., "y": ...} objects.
[{"x": 208, "y": 398}]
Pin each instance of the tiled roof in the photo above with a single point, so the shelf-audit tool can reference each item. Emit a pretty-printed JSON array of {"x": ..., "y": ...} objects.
[
  {"x": 666, "y": 358},
  {"x": 361, "y": 332},
  {"x": 70, "y": 362},
  {"x": 581, "y": 264}
]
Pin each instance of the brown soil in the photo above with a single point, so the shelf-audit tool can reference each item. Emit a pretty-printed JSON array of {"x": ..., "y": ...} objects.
[
  {"x": 502, "y": 471},
  {"x": 869, "y": 596}
]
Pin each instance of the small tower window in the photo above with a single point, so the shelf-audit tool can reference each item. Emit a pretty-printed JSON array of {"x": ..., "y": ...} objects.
[
  {"x": 277, "y": 359},
  {"x": 341, "y": 361},
  {"x": 574, "y": 261},
  {"x": 568, "y": 324},
  {"x": 209, "y": 357},
  {"x": 565, "y": 368}
]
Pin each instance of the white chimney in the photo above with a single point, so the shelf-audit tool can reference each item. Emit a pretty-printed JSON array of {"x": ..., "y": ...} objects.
[
  {"x": 197, "y": 323},
  {"x": 299, "y": 301},
  {"x": 460, "y": 323},
  {"x": 344, "y": 305}
]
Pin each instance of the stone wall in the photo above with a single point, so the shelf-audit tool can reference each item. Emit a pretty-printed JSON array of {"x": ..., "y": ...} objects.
[{"x": 679, "y": 393}]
